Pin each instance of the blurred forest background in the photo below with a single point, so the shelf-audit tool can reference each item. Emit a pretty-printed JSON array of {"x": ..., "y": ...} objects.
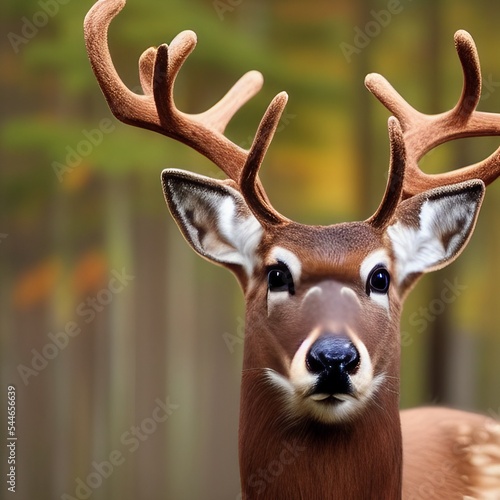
[{"x": 81, "y": 205}]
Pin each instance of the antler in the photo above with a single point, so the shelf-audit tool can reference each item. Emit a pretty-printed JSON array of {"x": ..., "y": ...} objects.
[
  {"x": 396, "y": 178},
  {"x": 156, "y": 110},
  {"x": 422, "y": 133}
]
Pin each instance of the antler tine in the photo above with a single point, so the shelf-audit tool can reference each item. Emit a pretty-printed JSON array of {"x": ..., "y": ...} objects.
[
  {"x": 219, "y": 115},
  {"x": 123, "y": 103},
  {"x": 395, "y": 181},
  {"x": 471, "y": 67},
  {"x": 392, "y": 100},
  {"x": 146, "y": 68},
  {"x": 250, "y": 187},
  {"x": 156, "y": 110},
  {"x": 424, "y": 132}
]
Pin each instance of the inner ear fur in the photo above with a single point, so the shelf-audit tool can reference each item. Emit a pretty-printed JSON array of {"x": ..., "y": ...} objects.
[
  {"x": 213, "y": 217},
  {"x": 430, "y": 230}
]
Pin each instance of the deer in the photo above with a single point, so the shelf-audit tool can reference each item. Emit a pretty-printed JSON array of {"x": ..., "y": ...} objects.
[{"x": 319, "y": 407}]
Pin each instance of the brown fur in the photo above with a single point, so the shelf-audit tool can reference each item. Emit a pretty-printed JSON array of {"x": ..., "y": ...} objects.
[
  {"x": 347, "y": 461},
  {"x": 446, "y": 454}
]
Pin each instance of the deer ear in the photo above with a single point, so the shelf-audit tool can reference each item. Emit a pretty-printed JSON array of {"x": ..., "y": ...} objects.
[
  {"x": 430, "y": 230},
  {"x": 213, "y": 217}
]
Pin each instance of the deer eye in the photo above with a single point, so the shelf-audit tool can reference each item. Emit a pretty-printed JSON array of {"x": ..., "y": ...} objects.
[
  {"x": 279, "y": 279},
  {"x": 378, "y": 280}
]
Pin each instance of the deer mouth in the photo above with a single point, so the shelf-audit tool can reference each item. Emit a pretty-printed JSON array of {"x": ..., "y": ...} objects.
[
  {"x": 303, "y": 399},
  {"x": 332, "y": 399}
]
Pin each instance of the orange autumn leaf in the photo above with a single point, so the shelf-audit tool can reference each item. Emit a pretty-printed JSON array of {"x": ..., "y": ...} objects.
[
  {"x": 37, "y": 283},
  {"x": 90, "y": 272},
  {"x": 78, "y": 178}
]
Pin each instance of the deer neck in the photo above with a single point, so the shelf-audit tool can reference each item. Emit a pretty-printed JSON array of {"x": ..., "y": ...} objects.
[{"x": 284, "y": 459}]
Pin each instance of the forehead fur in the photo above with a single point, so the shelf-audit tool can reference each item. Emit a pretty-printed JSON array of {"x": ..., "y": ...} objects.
[{"x": 326, "y": 247}]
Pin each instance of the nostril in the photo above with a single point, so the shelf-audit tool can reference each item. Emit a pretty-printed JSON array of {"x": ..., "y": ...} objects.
[
  {"x": 314, "y": 362},
  {"x": 332, "y": 353},
  {"x": 351, "y": 358}
]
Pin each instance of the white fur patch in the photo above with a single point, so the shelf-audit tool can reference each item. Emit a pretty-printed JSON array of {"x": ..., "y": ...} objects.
[
  {"x": 289, "y": 258},
  {"x": 444, "y": 225},
  {"x": 363, "y": 379},
  {"x": 276, "y": 298},
  {"x": 482, "y": 448},
  {"x": 243, "y": 233},
  {"x": 300, "y": 377}
]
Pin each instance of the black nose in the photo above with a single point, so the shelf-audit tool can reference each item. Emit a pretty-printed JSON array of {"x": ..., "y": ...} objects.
[{"x": 333, "y": 358}]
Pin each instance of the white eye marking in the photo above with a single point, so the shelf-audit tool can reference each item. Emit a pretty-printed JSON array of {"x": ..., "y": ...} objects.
[
  {"x": 377, "y": 257},
  {"x": 371, "y": 260},
  {"x": 280, "y": 254},
  {"x": 381, "y": 300},
  {"x": 292, "y": 262},
  {"x": 275, "y": 298}
]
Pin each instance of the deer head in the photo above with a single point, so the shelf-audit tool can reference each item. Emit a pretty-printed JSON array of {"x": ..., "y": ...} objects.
[{"x": 323, "y": 302}]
